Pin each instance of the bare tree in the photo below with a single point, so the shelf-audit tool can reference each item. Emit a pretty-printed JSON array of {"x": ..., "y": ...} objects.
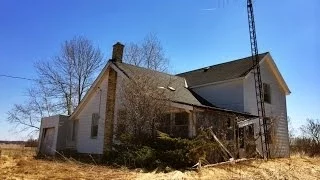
[
  {"x": 149, "y": 54},
  {"x": 60, "y": 86},
  {"x": 290, "y": 131},
  {"x": 143, "y": 104},
  {"x": 312, "y": 130},
  {"x": 85, "y": 60},
  {"x": 69, "y": 75},
  {"x": 27, "y": 116},
  {"x": 309, "y": 141}
]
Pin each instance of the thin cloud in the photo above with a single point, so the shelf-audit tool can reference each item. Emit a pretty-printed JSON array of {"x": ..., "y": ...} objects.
[{"x": 209, "y": 9}]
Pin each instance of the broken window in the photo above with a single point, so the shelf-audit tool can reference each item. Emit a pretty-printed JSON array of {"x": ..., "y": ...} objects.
[
  {"x": 180, "y": 126},
  {"x": 250, "y": 132},
  {"x": 229, "y": 123},
  {"x": 94, "y": 125},
  {"x": 266, "y": 93},
  {"x": 181, "y": 119}
]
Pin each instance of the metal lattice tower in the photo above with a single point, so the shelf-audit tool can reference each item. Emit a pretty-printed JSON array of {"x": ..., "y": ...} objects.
[{"x": 258, "y": 81}]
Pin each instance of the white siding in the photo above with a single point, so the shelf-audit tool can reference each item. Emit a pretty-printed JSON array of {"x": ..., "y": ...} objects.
[
  {"x": 227, "y": 94},
  {"x": 276, "y": 109},
  {"x": 86, "y": 144}
]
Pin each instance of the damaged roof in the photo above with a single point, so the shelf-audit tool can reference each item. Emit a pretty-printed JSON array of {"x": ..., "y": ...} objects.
[
  {"x": 220, "y": 72},
  {"x": 175, "y": 86}
]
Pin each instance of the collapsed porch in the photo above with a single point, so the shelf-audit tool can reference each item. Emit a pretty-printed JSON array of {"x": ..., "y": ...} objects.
[{"x": 234, "y": 129}]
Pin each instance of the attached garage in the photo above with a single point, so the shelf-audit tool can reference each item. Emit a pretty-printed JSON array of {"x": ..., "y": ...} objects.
[
  {"x": 53, "y": 133},
  {"x": 46, "y": 146}
]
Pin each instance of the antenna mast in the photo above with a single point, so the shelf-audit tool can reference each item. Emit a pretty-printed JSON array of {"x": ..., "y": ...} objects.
[{"x": 258, "y": 81}]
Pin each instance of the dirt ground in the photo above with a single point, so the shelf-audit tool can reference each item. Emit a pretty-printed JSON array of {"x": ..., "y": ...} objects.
[{"x": 20, "y": 164}]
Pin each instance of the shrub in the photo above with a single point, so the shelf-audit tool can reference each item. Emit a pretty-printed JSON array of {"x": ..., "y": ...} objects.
[
  {"x": 31, "y": 143},
  {"x": 163, "y": 151},
  {"x": 306, "y": 146}
]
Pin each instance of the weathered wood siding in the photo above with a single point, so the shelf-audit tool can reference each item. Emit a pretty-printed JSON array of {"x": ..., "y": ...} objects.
[{"x": 277, "y": 108}]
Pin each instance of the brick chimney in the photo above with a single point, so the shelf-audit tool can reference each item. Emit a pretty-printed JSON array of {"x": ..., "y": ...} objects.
[{"x": 117, "y": 52}]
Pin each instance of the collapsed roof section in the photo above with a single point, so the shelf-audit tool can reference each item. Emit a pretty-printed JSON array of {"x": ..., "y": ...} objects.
[{"x": 174, "y": 86}]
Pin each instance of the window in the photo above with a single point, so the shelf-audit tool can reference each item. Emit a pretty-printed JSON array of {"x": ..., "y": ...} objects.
[
  {"x": 75, "y": 129},
  {"x": 250, "y": 132},
  {"x": 266, "y": 93},
  {"x": 180, "y": 126},
  {"x": 94, "y": 125},
  {"x": 229, "y": 123},
  {"x": 181, "y": 119}
]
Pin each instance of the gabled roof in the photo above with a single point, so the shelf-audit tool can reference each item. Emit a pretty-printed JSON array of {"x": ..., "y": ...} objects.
[
  {"x": 231, "y": 70},
  {"x": 181, "y": 93},
  {"x": 220, "y": 72}
]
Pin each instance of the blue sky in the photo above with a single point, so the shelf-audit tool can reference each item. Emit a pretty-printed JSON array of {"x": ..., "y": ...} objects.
[{"x": 194, "y": 34}]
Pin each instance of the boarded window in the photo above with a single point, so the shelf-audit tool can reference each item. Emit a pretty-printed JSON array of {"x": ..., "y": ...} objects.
[
  {"x": 94, "y": 125},
  {"x": 266, "y": 93},
  {"x": 75, "y": 129}
]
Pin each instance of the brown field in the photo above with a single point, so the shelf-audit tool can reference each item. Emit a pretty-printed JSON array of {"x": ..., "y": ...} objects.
[{"x": 19, "y": 163}]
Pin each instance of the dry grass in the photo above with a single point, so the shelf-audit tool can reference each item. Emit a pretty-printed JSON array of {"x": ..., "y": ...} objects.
[
  {"x": 23, "y": 165},
  {"x": 20, "y": 164},
  {"x": 296, "y": 167}
]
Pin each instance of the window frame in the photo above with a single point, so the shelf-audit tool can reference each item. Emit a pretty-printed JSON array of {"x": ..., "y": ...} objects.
[
  {"x": 229, "y": 123},
  {"x": 266, "y": 93},
  {"x": 186, "y": 120},
  {"x": 94, "y": 124}
]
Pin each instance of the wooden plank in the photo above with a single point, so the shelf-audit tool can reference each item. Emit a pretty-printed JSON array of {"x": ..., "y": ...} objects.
[
  {"x": 223, "y": 147},
  {"x": 228, "y": 162}
]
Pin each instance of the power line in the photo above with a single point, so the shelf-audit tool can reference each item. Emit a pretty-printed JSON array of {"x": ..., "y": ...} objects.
[{"x": 16, "y": 77}]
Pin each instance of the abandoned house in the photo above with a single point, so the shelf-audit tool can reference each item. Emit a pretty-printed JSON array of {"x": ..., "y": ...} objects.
[{"x": 221, "y": 96}]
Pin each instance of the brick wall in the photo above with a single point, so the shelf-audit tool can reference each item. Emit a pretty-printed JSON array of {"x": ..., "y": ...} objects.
[{"x": 111, "y": 97}]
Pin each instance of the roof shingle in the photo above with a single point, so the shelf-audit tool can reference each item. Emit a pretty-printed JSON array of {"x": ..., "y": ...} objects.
[
  {"x": 179, "y": 94},
  {"x": 220, "y": 72}
]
